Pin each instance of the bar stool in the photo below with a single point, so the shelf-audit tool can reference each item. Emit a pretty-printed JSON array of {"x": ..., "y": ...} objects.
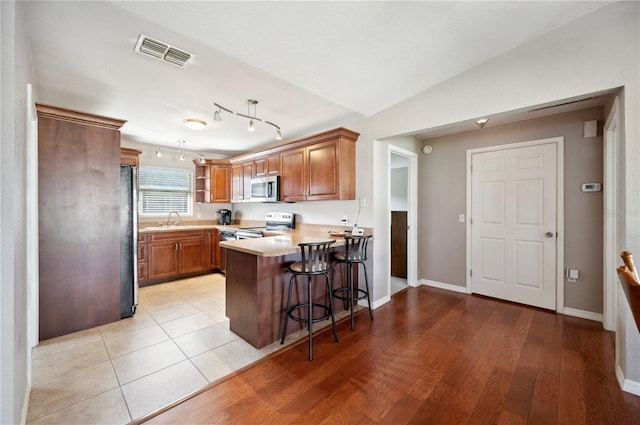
[
  {"x": 355, "y": 253},
  {"x": 315, "y": 261}
]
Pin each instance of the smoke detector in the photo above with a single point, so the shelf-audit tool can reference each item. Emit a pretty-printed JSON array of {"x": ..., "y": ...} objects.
[{"x": 162, "y": 51}]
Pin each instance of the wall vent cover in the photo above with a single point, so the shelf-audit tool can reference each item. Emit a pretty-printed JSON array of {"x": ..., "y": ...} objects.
[{"x": 163, "y": 51}]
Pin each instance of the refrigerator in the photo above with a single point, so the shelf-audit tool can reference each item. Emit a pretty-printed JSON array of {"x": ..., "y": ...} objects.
[{"x": 128, "y": 240}]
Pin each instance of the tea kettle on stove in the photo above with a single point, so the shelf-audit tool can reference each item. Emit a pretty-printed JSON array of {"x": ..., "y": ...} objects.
[{"x": 224, "y": 216}]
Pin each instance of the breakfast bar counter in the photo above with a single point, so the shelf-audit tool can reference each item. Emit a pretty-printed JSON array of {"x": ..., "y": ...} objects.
[{"x": 256, "y": 273}]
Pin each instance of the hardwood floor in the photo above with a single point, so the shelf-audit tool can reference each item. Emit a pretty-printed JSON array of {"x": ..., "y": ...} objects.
[{"x": 430, "y": 357}]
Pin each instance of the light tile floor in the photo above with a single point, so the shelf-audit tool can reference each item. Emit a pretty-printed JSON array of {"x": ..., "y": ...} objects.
[
  {"x": 398, "y": 284},
  {"x": 178, "y": 342}
]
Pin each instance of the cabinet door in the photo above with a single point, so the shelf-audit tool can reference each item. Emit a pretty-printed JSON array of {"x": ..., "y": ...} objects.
[
  {"x": 142, "y": 261},
  {"x": 247, "y": 172},
  {"x": 323, "y": 165},
  {"x": 163, "y": 259},
  {"x": 260, "y": 167},
  {"x": 237, "y": 183},
  {"x": 215, "y": 248},
  {"x": 210, "y": 249},
  {"x": 143, "y": 272},
  {"x": 293, "y": 185},
  {"x": 192, "y": 255},
  {"x": 220, "y": 184},
  {"x": 273, "y": 165}
]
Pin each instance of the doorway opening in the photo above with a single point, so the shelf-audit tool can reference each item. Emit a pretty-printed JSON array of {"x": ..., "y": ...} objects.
[
  {"x": 399, "y": 206},
  {"x": 402, "y": 216}
]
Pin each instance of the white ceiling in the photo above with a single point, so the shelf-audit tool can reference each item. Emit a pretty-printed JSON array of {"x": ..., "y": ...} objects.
[{"x": 311, "y": 65}]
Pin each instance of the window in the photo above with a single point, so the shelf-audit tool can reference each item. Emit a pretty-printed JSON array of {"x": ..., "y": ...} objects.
[{"x": 164, "y": 190}]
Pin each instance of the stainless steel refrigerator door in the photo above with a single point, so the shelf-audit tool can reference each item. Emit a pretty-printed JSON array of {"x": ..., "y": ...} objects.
[{"x": 128, "y": 241}]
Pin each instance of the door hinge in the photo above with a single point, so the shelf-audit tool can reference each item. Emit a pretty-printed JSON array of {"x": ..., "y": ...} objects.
[{"x": 470, "y": 273}]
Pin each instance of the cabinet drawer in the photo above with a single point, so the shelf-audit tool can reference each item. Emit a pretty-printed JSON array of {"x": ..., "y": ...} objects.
[
  {"x": 143, "y": 273},
  {"x": 142, "y": 252},
  {"x": 176, "y": 235}
]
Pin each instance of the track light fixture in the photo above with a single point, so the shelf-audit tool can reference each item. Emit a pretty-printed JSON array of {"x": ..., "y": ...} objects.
[
  {"x": 251, "y": 118},
  {"x": 482, "y": 122},
  {"x": 181, "y": 146},
  {"x": 183, "y": 155}
]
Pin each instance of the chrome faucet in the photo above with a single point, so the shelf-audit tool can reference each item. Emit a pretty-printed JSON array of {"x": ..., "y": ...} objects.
[{"x": 169, "y": 218}]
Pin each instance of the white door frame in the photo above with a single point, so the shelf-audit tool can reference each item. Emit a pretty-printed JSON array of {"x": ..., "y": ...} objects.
[
  {"x": 412, "y": 214},
  {"x": 559, "y": 141},
  {"x": 611, "y": 138}
]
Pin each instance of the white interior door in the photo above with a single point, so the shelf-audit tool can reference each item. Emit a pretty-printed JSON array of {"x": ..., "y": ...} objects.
[{"x": 513, "y": 227}]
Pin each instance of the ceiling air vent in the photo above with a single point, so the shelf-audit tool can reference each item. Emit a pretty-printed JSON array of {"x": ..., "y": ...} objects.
[{"x": 163, "y": 51}]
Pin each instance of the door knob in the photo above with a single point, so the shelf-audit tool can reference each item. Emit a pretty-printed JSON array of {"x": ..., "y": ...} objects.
[{"x": 548, "y": 235}]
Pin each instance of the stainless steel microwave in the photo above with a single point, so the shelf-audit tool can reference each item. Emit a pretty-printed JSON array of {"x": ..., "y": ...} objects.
[{"x": 265, "y": 189}]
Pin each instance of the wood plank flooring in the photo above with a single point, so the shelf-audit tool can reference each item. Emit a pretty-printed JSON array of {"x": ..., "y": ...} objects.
[{"x": 430, "y": 357}]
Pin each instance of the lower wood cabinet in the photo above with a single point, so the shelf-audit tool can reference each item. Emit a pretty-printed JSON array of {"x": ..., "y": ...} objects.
[
  {"x": 143, "y": 247},
  {"x": 212, "y": 248},
  {"x": 176, "y": 253}
]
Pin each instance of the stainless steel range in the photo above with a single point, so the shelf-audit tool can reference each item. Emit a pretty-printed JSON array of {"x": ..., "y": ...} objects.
[
  {"x": 273, "y": 221},
  {"x": 280, "y": 221}
]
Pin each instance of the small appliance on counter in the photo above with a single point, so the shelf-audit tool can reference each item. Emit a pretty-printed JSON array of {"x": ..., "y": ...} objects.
[{"x": 224, "y": 217}]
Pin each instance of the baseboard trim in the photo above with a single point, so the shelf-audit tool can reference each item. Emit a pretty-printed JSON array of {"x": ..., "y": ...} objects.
[
  {"x": 377, "y": 303},
  {"x": 447, "y": 286},
  {"x": 627, "y": 385},
  {"x": 25, "y": 404},
  {"x": 589, "y": 315}
]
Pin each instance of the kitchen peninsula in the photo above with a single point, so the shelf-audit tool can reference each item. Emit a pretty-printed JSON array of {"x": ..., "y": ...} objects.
[{"x": 256, "y": 273}]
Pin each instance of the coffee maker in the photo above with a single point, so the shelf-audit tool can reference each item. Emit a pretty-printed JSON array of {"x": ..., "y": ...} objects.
[{"x": 224, "y": 217}]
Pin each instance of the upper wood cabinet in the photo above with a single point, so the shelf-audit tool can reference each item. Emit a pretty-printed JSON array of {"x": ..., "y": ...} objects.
[
  {"x": 320, "y": 171},
  {"x": 130, "y": 156},
  {"x": 203, "y": 183},
  {"x": 317, "y": 167},
  {"x": 266, "y": 166},
  {"x": 241, "y": 181},
  {"x": 220, "y": 183},
  {"x": 213, "y": 181}
]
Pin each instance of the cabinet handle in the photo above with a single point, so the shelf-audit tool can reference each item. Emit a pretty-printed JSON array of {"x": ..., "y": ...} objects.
[{"x": 176, "y": 246}]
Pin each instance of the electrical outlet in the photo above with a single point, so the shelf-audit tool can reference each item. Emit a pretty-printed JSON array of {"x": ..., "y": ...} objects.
[
  {"x": 198, "y": 216},
  {"x": 363, "y": 202},
  {"x": 345, "y": 219},
  {"x": 461, "y": 218}
]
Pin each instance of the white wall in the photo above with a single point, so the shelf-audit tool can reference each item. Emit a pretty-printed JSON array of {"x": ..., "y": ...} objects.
[
  {"x": 599, "y": 51},
  {"x": 15, "y": 73}
]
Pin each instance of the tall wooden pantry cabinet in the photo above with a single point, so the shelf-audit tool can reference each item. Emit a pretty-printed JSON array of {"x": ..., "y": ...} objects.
[{"x": 79, "y": 220}]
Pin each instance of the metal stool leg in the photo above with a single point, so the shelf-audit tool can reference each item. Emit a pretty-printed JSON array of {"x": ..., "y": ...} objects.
[
  {"x": 310, "y": 314},
  {"x": 351, "y": 297},
  {"x": 330, "y": 294},
  {"x": 366, "y": 283}
]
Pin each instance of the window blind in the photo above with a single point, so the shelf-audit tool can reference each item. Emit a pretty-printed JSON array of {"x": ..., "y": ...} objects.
[{"x": 164, "y": 190}]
